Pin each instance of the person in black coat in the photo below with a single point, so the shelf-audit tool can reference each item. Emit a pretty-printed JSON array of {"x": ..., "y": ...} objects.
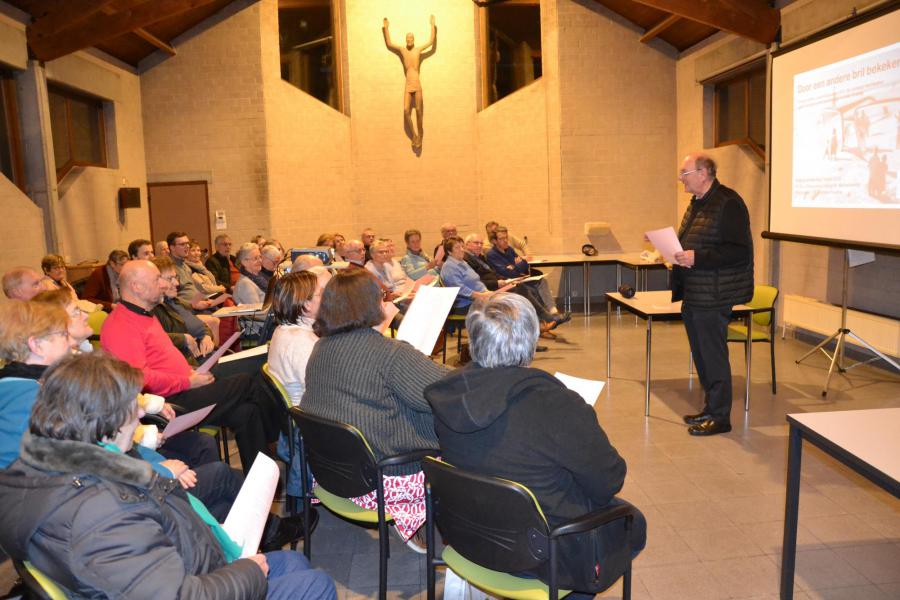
[{"x": 499, "y": 417}]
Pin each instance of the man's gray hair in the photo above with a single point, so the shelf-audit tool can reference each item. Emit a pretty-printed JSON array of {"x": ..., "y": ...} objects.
[
  {"x": 271, "y": 252},
  {"x": 221, "y": 238},
  {"x": 708, "y": 164},
  {"x": 503, "y": 331},
  {"x": 244, "y": 252},
  {"x": 473, "y": 236}
]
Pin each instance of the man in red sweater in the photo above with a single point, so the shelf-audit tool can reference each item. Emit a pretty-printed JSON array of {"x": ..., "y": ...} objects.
[{"x": 132, "y": 334}]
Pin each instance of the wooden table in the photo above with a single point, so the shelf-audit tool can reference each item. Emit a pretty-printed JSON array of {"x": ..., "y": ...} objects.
[
  {"x": 657, "y": 306},
  {"x": 867, "y": 441},
  {"x": 630, "y": 260}
]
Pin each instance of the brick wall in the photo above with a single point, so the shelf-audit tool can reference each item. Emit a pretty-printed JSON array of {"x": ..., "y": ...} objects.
[{"x": 204, "y": 113}]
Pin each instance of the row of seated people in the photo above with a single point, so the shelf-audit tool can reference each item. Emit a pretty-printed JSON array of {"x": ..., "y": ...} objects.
[{"x": 333, "y": 363}]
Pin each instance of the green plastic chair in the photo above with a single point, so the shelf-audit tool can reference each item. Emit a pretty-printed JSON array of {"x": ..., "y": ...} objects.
[
  {"x": 762, "y": 323},
  {"x": 494, "y": 527},
  {"x": 39, "y": 585},
  {"x": 95, "y": 321},
  {"x": 344, "y": 465}
]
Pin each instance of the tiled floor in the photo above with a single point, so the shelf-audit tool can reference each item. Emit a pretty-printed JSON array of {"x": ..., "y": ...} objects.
[{"x": 714, "y": 506}]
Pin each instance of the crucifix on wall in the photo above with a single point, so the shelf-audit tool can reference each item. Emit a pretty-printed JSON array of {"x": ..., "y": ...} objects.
[{"x": 412, "y": 56}]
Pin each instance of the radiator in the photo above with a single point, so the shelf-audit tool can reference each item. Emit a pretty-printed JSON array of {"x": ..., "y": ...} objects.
[{"x": 812, "y": 315}]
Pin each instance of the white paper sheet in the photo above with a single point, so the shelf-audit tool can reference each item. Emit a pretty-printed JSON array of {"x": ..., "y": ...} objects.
[
  {"x": 425, "y": 317},
  {"x": 215, "y": 356},
  {"x": 666, "y": 241},
  {"x": 390, "y": 311},
  {"x": 589, "y": 389},
  {"x": 245, "y": 354},
  {"x": 424, "y": 280},
  {"x": 187, "y": 420},
  {"x": 247, "y": 518},
  {"x": 237, "y": 311}
]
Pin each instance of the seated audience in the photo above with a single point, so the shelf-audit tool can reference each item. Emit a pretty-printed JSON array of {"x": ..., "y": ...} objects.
[
  {"x": 188, "y": 333},
  {"x": 367, "y": 237},
  {"x": 22, "y": 283},
  {"x": 54, "y": 268},
  {"x": 251, "y": 287},
  {"x": 140, "y": 249},
  {"x": 295, "y": 305},
  {"x": 504, "y": 260},
  {"x": 355, "y": 253},
  {"x": 358, "y": 376},
  {"x": 221, "y": 263},
  {"x": 102, "y": 286},
  {"x": 414, "y": 262},
  {"x": 271, "y": 257},
  {"x": 499, "y": 417},
  {"x": 455, "y": 272},
  {"x": 339, "y": 240},
  {"x": 448, "y": 230},
  {"x": 123, "y": 531},
  {"x": 259, "y": 240},
  {"x": 387, "y": 271},
  {"x": 519, "y": 245},
  {"x": 162, "y": 248},
  {"x": 204, "y": 280},
  {"x": 305, "y": 262},
  {"x": 326, "y": 240},
  {"x": 79, "y": 329},
  {"x": 180, "y": 248},
  {"x": 134, "y": 335}
]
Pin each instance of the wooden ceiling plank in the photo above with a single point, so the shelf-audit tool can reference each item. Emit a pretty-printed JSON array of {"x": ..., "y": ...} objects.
[
  {"x": 67, "y": 14},
  {"x": 104, "y": 27},
  {"x": 659, "y": 28},
  {"x": 152, "y": 39},
  {"x": 753, "y": 20}
]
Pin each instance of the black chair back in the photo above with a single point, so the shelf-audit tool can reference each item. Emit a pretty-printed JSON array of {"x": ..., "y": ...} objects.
[
  {"x": 493, "y": 522},
  {"x": 338, "y": 455}
]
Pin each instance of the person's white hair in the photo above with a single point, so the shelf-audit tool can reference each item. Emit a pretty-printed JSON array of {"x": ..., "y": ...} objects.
[
  {"x": 245, "y": 250},
  {"x": 473, "y": 236},
  {"x": 271, "y": 252},
  {"x": 306, "y": 262},
  {"x": 503, "y": 331}
]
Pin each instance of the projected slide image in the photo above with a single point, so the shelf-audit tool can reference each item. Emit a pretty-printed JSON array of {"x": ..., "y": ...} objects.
[{"x": 847, "y": 133}]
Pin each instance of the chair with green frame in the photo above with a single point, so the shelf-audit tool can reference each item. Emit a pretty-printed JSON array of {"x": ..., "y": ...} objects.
[
  {"x": 344, "y": 466},
  {"x": 494, "y": 527},
  {"x": 762, "y": 323},
  {"x": 281, "y": 393},
  {"x": 39, "y": 586}
]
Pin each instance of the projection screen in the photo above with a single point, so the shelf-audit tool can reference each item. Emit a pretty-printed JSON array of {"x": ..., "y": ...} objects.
[{"x": 835, "y": 137}]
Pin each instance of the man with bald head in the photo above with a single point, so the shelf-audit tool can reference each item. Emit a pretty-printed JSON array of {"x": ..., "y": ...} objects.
[
  {"x": 712, "y": 274},
  {"x": 131, "y": 333},
  {"x": 22, "y": 283},
  {"x": 355, "y": 253}
]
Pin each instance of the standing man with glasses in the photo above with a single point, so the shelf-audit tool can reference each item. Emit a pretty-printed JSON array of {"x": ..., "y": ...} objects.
[{"x": 712, "y": 274}]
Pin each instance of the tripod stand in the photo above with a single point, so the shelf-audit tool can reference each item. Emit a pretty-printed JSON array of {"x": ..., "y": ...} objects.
[{"x": 837, "y": 356}]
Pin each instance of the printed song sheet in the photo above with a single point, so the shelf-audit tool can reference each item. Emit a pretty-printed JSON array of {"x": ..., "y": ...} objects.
[
  {"x": 187, "y": 420},
  {"x": 589, "y": 389},
  {"x": 666, "y": 242},
  {"x": 247, "y": 519},
  {"x": 215, "y": 356},
  {"x": 425, "y": 317}
]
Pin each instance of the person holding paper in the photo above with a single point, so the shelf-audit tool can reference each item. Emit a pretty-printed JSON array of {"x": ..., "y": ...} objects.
[
  {"x": 455, "y": 272},
  {"x": 499, "y": 417},
  {"x": 102, "y": 523},
  {"x": 358, "y": 376},
  {"x": 712, "y": 274},
  {"x": 508, "y": 264},
  {"x": 191, "y": 336},
  {"x": 388, "y": 272}
]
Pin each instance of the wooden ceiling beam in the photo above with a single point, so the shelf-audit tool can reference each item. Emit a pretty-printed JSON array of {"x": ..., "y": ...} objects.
[
  {"x": 63, "y": 14},
  {"x": 659, "y": 28},
  {"x": 155, "y": 41},
  {"x": 748, "y": 19},
  {"x": 102, "y": 27}
]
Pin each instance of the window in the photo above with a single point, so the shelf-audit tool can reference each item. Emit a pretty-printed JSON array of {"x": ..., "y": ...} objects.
[
  {"x": 511, "y": 47},
  {"x": 309, "y": 49},
  {"x": 740, "y": 109},
  {"x": 11, "y": 163},
  {"x": 79, "y": 138}
]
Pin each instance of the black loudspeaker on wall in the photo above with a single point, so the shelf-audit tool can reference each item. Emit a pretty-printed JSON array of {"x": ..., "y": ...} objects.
[{"x": 129, "y": 197}]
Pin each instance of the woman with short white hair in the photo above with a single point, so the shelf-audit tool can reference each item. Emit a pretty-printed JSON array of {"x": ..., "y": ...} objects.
[
  {"x": 251, "y": 287},
  {"x": 502, "y": 418}
]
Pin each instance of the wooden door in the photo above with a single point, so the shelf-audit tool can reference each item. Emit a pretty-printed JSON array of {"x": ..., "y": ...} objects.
[{"x": 179, "y": 206}]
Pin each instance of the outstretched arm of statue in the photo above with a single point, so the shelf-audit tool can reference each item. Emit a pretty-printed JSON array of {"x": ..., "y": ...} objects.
[
  {"x": 433, "y": 34},
  {"x": 387, "y": 36}
]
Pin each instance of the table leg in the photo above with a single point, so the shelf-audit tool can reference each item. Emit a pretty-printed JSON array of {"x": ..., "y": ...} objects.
[
  {"x": 748, "y": 349},
  {"x": 647, "y": 376},
  {"x": 586, "y": 273},
  {"x": 568, "y": 305},
  {"x": 618, "y": 285},
  {"x": 791, "y": 507},
  {"x": 608, "y": 336}
]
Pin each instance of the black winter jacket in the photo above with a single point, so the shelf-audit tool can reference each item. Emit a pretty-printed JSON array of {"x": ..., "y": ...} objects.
[
  {"x": 105, "y": 525},
  {"x": 524, "y": 425}
]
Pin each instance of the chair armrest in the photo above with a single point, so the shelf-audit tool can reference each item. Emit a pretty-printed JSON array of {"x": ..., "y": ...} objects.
[
  {"x": 594, "y": 519},
  {"x": 407, "y": 457},
  {"x": 154, "y": 420}
]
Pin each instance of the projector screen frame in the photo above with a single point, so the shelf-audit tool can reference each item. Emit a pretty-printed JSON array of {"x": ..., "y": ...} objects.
[{"x": 849, "y": 23}]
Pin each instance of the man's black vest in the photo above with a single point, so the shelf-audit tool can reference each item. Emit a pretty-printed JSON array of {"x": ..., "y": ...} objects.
[{"x": 720, "y": 287}]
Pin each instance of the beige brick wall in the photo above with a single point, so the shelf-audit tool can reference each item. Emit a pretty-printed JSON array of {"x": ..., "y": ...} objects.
[
  {"x": 203, "y": 112},
  {"x": 617, "y": 136}
]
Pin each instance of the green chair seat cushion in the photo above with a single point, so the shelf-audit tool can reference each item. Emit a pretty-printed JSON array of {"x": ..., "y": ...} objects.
[
  {"x": 346, "y": 508},
  {"x": 497, "y": 583},
  {"x": 739, "y": 333}
]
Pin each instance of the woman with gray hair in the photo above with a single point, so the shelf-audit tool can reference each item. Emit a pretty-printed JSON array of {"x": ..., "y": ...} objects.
[{"x": 499, "y": 417}]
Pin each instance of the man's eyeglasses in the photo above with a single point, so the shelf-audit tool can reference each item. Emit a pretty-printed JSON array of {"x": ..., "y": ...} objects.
[{"x": 686, "y": 173}]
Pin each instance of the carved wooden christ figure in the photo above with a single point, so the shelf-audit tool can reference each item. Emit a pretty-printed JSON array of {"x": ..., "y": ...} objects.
[{"x": 412, "y": 56}]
